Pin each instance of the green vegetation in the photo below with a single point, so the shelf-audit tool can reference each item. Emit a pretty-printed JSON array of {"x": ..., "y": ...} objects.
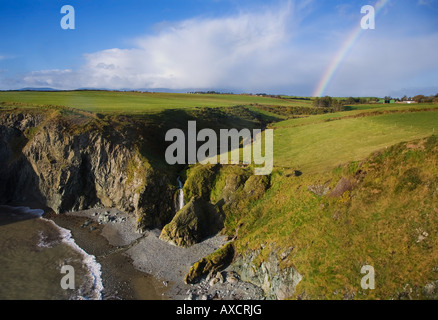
[
  {"x": 388, "y": 220},
  {"x": 134, "y": 102},
  {"x": 339, "y": 103},
  {"x": 199, "y": 182},
  {"x": 327, "y": 144},
  {"x": 378, "y": 210}
]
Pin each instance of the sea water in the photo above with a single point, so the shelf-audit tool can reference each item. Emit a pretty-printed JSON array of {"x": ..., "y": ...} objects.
[{"x": 33, "y": 251}]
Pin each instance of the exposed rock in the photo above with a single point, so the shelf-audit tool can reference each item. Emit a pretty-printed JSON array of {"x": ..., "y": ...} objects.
[
  {"x": 233, "y": 182},
  {"x": 319, "y": 190},
  {"x": 286, "y": 253},
  {"x": 213, "y": 281},
  {"x": 86, "y": 223},
  {"x": 232, "y": 277},
  {"x": 431, "y": 290},
  {"x": 297, "y": 173},
  {"x": 75, "y": 169},
  {"x": 277, "y": 283},
  {"x": 239, "y": 290},
  {"x": 343, "y": 186},
  {"x": 220, "y": 277},
  {"x": 214, "y": 262},
  {"x": 196, "y": 221},
  {"x": 17, "y": 177},
  {"x": 422, "y": 236},
  {"x": 256, "y": 186}
]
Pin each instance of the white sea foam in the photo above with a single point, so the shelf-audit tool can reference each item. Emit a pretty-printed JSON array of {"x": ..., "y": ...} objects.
[
  {"x": 93, "y": 266},
  {"x": 43, "y": 242},
  {"x": 88, "y": 260}
]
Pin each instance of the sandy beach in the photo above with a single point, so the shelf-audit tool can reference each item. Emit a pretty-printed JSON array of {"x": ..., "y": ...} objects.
[{"x": 140, "y": 266}]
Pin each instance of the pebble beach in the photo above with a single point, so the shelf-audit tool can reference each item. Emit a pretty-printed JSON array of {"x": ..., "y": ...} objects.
[{"x": 139, "y": 266}]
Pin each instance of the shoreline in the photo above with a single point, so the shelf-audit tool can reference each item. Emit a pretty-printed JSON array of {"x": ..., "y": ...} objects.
[
  {"x": 140, "y": 266},
  {"x": 39, "y": 248},
  {"x": 121, "y": 281}
]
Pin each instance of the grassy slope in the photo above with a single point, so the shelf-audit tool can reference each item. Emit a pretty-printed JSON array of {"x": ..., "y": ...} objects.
[
  {"x": 378, "y": 223},
  {"x": 326, "y": 144},
  {"x": 355, "y": 112}
]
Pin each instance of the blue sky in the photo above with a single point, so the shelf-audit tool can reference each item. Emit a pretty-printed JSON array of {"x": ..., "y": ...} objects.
[{"x": 283, "y": 46}]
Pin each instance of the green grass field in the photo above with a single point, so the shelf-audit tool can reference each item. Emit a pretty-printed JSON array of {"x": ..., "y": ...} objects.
[
  {"x": 325, "y": 145},
  {"x": 357, "y": 111},
  {"x": 137, "y": 102}
]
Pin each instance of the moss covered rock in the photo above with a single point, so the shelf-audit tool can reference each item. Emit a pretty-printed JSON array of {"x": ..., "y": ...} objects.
[
  {"x": 193, "y": 223},
  {"x": 256, "y": 186},
  {"x": 199, "y": 181},
  {"x": 214, "y": 262},
  {"x": 229, "y": 180}
]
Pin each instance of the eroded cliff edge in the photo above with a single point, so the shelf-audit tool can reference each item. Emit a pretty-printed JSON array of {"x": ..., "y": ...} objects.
[{"x": 71, "y": 164}]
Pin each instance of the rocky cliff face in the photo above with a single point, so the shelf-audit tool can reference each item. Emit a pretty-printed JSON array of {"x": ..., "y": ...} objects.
[
  {"x": 67, "y": 171},
  {"x": 70, "y": 164}
]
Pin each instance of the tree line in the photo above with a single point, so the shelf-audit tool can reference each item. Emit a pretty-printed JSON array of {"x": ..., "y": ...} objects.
[
  {"x": 423, "y": 99},
  {"x": 339, "y": 103}
]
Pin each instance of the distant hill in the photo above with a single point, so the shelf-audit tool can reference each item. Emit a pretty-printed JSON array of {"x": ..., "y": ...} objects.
[{"x": 37, "y": 89}]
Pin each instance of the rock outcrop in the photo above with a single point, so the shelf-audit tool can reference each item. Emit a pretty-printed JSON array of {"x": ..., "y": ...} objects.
[
  {"x": 194, "y": 222},
  {"x": 70, "y": 170},
  {"x": 277, "y": 283},
  {"x": 211, "y": 264}
]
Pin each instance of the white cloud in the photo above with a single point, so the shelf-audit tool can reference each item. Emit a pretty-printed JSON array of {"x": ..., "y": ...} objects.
[
  {"x": 197, "y": 53},
  {"x": 248, "y": 51}
]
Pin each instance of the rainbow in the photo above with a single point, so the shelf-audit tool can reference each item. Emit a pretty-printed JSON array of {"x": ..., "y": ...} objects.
[{"x": 343, "y": 52}]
